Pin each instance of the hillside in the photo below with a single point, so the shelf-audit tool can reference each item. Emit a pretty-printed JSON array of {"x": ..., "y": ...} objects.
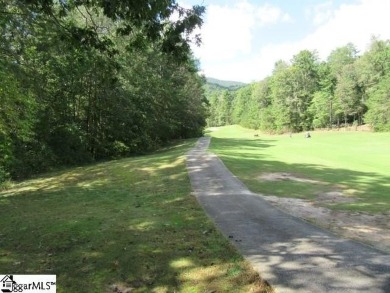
[{"x": 223, "y": 84}]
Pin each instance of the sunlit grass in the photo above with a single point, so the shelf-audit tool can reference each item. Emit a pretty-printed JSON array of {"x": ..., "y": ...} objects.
[
  {"x": 356, "y": 163},
  {"x": 130, "y": 224}
]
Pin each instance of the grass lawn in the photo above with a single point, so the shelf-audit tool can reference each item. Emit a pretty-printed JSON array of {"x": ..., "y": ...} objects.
[
  {"x": 123, "y": 224},
  {"x": 357, "y": 163}
]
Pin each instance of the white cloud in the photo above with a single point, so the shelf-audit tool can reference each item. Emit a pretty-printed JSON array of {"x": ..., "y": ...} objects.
[
  {"x": 228, "y": 35},
  {"x": 268, "y": 14},
  {"x": 355, "y": 23},
  {"x": 320, "y": 13},
  {"x": 228, "y": 30}
]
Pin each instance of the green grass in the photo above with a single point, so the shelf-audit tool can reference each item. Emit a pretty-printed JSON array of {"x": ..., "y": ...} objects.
[
  {"x": 357, "y": 163},
  {"x": 129, "y": 223}
]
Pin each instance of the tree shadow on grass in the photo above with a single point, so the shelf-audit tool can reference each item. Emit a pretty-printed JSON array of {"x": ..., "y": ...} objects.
[
  {"x": 297, "y": 257},
  {"x": 122, "y": 224},
  {"x": 240, "y": 145},
  {"x": 290, "y": 253},
  {"x": 129, "y": 247},
  {"x": 371, "y": 190}
]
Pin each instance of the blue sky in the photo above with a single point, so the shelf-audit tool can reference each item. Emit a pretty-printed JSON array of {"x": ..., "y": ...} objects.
[{"x": 242, "y": 39}]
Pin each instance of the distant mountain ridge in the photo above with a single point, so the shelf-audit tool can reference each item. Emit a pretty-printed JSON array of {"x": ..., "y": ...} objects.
[{"x": 224, "y": 84}]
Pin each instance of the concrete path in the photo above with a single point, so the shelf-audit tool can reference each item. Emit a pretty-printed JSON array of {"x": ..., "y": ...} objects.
[{"x": 292, "y": 255}]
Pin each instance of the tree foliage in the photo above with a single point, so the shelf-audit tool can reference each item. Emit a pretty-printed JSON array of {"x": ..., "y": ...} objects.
[
  {"x": 305, "y": 93},
  {"x": 88, "y": 80}
]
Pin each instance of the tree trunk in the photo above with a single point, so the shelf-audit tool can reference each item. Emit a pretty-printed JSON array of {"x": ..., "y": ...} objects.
[
  {"x": 345, "y": 121},
  {"x": 330, "y": 115}
]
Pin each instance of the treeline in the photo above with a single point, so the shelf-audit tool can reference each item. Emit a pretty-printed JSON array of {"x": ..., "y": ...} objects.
[
  {"x": 87, "y": 80},
  {"x": 305, "y": 94}
]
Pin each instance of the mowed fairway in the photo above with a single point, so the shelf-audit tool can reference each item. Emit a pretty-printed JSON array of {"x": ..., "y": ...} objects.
[
  {"x": 120, "y": 226},
  {"x": 354, "y": 163}
]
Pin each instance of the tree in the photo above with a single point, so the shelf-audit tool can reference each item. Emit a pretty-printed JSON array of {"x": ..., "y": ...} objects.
[
  {"x": 346, "y": 93},
  {"x": 307, "y": 94},
  {"x": 281, "y": 91},
  {"x": 373, "y": 70},
  {"x": 292, "y": 89},
  {"x": 340, "y": 57},
  {"x": 87, "y": 80},
  {"x": 17, "y": 111},
  {"x": 255, "y": 115},
  {"x": 323, "y": 105},
  {"x": 224, "y": 108},
  {"x": 239, "y": 104},
  {"x": 305, "y": 82},
  {"x": 144, "y": 21},
  {"x": 378, "y": 114}
]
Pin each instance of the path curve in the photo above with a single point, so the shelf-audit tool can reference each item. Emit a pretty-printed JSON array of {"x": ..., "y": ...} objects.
[{"x": 292, "y": 255}]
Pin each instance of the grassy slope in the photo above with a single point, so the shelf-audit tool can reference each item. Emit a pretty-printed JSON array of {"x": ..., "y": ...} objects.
[
  {"x": 131, "y": 223},
  {"x": 356, "y": 162}
]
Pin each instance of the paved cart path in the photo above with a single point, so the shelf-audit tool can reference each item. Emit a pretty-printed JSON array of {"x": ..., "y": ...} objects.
[{"x": 292, "y": 255}]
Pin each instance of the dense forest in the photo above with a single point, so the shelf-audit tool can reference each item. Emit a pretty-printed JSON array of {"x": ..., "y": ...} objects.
[
  {"x": 346, "y": 89},
  {"x": 88, "y": 80}
]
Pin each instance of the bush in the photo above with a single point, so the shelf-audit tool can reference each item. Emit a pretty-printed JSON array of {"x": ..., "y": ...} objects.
[
  {"x": 4, "y": 176},
  {"x": 31, "y": 158},
  {"x": 119, "y": 149}
]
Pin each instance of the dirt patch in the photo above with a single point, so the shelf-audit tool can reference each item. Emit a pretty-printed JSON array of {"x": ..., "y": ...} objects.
[
  {"x": 286, "y": 176},
  {"x": 119, "y": 288},
  {"x": 336, "y": 196},
  {"x": 365, "y": 127},
  {"x": 373, "y": 229}
]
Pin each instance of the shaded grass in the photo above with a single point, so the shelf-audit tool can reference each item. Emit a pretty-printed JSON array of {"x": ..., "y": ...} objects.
[
  {"x": 118, "y": 225},
  {"x": 356, "y": 163}
]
